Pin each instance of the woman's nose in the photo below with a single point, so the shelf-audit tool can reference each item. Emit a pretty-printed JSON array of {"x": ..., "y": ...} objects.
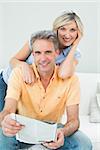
[{"x": 67, "y": 35}]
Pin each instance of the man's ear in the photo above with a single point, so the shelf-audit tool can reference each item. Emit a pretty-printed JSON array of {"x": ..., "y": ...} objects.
[
  {"x": 33, "y": 53},
  {"x": 57, "y": 52}
]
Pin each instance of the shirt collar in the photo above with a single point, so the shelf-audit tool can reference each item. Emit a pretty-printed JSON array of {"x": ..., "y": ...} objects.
[
  {"x": 37, "y": 74},
  {"x": 66, "y": 50}
]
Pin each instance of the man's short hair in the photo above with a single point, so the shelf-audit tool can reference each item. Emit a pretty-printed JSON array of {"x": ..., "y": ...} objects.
[{"x": 45, "y": 35}]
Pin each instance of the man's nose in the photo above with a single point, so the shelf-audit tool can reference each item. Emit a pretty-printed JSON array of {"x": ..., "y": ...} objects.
[{"x": 43, "y": 56}]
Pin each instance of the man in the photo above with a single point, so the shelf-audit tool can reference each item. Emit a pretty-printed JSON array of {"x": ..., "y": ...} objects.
[{"x": 45, "y": 100}]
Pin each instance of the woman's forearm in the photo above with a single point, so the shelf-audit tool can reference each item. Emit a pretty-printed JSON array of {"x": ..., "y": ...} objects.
[
  {"x": 14, "y": 62},
  {"x": 67, "y": 67},
  {"x": 20, "y": 56}
]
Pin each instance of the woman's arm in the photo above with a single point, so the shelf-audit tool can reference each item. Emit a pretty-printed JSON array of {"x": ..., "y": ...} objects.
[
  {"x": 20, "y": 56},
  {"x": 67, "y": 67},
  {"x": 19, "y": 60}
]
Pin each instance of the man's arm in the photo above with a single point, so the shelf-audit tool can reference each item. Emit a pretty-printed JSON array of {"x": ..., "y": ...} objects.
[
  {"x": 9, "y": 126},
  {"x": 70, "y": 127},
  {"x": 72, "y": 110},
  {"x": 72, "y": 120},
  {"x": 10, "y": 107},
  {"x": 72, "y": 107}
]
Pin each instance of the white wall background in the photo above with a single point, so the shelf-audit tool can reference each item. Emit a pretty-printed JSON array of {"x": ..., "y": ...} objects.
[
  {"x": 1, "y": 34},
  {"x": 19, "y": 19}
]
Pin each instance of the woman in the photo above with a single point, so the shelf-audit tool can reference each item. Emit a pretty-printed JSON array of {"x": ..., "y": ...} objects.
[{"x": 69, "y": 30}]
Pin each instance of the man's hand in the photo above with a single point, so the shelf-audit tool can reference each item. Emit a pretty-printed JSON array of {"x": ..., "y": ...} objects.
[
  {"x": 58, "y": 142},
  {"x": 10, "y": 127}
]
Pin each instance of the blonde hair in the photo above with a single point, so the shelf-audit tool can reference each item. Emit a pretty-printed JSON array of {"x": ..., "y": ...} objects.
[{"x": 65, "y": 18}]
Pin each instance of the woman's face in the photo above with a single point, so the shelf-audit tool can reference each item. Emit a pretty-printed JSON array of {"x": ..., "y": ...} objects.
[{"x": 67, "y": 34}]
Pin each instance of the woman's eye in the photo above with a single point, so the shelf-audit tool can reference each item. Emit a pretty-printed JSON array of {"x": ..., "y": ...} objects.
[
  {"x": 62, "y": 28},
  {"x": 72, "y": 30}
]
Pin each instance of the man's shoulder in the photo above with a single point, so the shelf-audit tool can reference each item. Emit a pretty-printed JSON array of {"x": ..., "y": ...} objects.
[{"x": 16, "y": 70}]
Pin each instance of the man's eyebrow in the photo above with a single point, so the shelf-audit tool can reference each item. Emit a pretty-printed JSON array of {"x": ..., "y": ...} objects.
[
  {"x": 37, "y": 51},
  {"x": 48, "y": 50}
]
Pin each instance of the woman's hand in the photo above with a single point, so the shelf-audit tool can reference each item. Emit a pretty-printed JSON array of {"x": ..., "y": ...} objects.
[
  {"x": 10, "y": 127},
  {"x": 27, "y": 73},
  {"x": 79, "y": 36},
  {"x": 58, "y": 142}
]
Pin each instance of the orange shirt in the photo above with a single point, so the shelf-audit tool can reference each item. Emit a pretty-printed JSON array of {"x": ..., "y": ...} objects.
[{"x": 36, "y": 102}]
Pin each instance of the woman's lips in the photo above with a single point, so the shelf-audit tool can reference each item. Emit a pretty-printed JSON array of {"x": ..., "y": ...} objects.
[{"x": 66, "y": 40}]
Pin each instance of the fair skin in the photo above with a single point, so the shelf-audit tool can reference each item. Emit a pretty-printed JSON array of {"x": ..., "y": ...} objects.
[
  {"x": 44, "y": 54},
  {"x": 67, "y": 35}
]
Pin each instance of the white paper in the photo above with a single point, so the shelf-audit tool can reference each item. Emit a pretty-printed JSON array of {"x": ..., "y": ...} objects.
[{"x": 35, "y": 131}]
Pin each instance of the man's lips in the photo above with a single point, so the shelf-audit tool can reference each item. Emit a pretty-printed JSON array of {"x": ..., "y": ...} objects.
[{"x": 44, "y": 65}]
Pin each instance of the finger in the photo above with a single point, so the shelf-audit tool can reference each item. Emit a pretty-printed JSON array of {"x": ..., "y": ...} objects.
[
  {"x": 28, "y": 74},
  {"x": 51, "y": 145},
  {"x": 10, "y": 127},
  {"x": 27, "y": 78},
  {"x": 9, "y": 131},
  {"x": 31, "y": 77},
  {"x": 60, "y": 138},
  {"x": 25, "y": 74},
  {"x": 79, "y": 34},
  {"x": 9, "y": 122}
]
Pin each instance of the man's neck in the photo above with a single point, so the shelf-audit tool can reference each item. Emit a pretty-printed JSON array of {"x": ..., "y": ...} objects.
[{"x": 45, "y": 79}]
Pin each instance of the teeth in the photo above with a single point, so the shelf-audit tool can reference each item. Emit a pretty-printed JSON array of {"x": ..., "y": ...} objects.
[
  {"x": 67, "y": 40},
  {"x": 43, "y": 64}
]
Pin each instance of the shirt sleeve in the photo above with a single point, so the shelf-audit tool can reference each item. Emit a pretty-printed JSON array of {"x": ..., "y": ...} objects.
[
  {"x": 14, "y": 84},
  {"x": 73, "y": 95},
  {"x": 77, "y": 54}
]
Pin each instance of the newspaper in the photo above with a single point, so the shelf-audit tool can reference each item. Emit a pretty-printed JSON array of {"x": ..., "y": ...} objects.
[{"x": 35, "y": 131}]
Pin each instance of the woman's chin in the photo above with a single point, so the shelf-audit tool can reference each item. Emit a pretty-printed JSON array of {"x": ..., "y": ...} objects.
[{"x": 66, "y": 45}]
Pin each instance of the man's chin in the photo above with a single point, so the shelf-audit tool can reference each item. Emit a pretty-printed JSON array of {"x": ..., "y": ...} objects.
[{"x": 43, "y": 70}]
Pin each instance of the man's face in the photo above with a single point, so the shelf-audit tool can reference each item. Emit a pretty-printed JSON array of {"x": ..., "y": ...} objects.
[{"x": 44, "y": 56}]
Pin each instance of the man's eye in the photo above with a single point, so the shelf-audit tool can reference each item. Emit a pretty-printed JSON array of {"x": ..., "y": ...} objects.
[
  {"x": 48, "y": 52},
  {"x": 37, "y": 52}
]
